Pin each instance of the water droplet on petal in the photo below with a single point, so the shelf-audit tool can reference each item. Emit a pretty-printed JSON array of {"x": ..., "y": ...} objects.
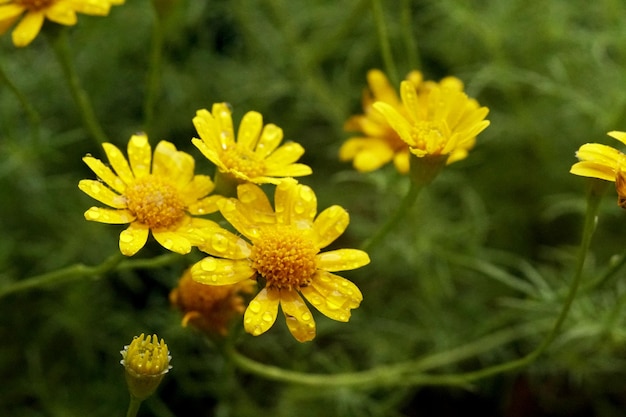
[
  {"x": 126, "y": 236},
  {"x": 219, "y": 242},
  {"x": 306, "y": 316},
  {"x": 268, "y": 317},
  {"x": 255, "y": 306},
  {"x": 307, "y": 194},
  {"x": 208, "y": 264}
]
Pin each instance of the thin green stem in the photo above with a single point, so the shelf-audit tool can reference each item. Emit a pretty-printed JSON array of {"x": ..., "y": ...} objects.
[
  {"x": 133, "y": 406},
  {"x": 31, "y": 113},
  {"x": 393, "y": 220},
  {"x": 61, "y": 46},
  {"x": 385, "y": 44},
  {"x": 153, "y": 80},
  {"x": 409, "y": 38},
  {"x": 74, "y": 272}
]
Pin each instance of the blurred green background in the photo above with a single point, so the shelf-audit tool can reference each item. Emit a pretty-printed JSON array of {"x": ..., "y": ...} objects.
[{"x": 490, "y": 244}]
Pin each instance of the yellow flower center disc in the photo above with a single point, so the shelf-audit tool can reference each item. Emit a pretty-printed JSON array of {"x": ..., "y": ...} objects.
[
  {"x": 35, "y": 4},
  {"x": 244, "y": 161},
  {"x": 155, "y": 202},
  {"x": 285, "y": 257},
  {"x": 429, "y": 137}
]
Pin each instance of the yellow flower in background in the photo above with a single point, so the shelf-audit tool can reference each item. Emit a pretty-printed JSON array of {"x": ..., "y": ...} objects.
[
  {"x": 146, "y": 360},
  {"x": 380, "y": 143},
  {"x": 255, "y": 156},
  {"x": 157, "y": 193},
  {"x": 442, "y": 122},
  {"x": 34, "y": 13},
  {"x": 210, "y": 308},
  {"x": 281, "y": 249},
  {"x": 604, "y": 162}
]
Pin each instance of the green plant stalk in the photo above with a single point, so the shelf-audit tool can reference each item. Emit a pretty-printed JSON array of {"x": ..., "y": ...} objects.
[
  {"x": 31, "y": 113},
  {"x": 409, "y": 39},
  {"x": 73, "y": 272},
  {"x": 61, "y": 47},
  {"x": 406, "y": 203},
  {"x": 153, "y": 80},
  {"x": 133, "y": 406},
  {"x": 385, "y": 44}
]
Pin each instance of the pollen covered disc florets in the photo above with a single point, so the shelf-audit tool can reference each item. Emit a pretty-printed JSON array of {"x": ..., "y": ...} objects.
[
  {"x": 155, "y": 202},
  {"x": 245, "y": 161},
  {"x": 429, "y": 136},
  {"x": 285, "y": 257}
]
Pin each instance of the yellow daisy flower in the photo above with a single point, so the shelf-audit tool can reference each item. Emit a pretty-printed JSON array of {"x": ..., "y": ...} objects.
[
  {"x": 154, "y": 193},
  {"x": 255, "y": 156},
  {"x": 210, "y": 308},
  {"x": 604, "y": 162},
  {"x": 443, "y": 122},
  {"x": 282, "y": 250},
  {"x": 34, "y": 13},
  {"x": 380, "y": 143}
]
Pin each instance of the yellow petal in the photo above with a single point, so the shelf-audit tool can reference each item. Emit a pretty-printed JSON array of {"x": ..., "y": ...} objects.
[
  {"x": 208, "y": 129},
  {"x": 601, "y": 154},
  {"x": 621, "y": 136},
  {"x": 28, "y": 28},
  {"x": 139, "y": 155},
  {"x": 61, "y": 13},
  {"x": 295, "y": 204},
  {"x": 299, "y": 319},
  {"x": 254, "y": 199},
  {"x": 271, "y": 136},
  {"x": 289, "y": 153},
  {"x": 11, "y": 11},
  {"x": 292, "y": 170},
  {"x": 205, "y": 206},
  {"x": 239, "y": 219},
  {"x": 209, "y": 152},
  {"x": 594, "y": 170},
  {"x": 401, "y": 161},
  {"x": 214, "y": 271},
  {"x": 381, "y": 88},
  {"x": 119, "y": 163},
  {"x": 249, "y": 130},
  {"x": 133, "y": 238},
  {"x": 199, "y": 187},
  {"x": 329, "y": 225},
  {"x": 8, "y": 22},
  {"x": 110, "y": 216},
  {"x": 396, "y": 121},
  {"x": 261, "y": 312},
  {"x": 102, "y": 193},
  {"x": 173, "y": 164},
  {"x": 224, "y": 122},
  {"x": 222, "y": 243},
  {"x": 341, "y": 260},
  {"x": 105, "y": 174},
  {"x": 173, "y": 241},
  {"x": 332, "y": 295}
]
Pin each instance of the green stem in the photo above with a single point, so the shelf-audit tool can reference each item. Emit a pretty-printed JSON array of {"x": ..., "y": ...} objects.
[
  {"x": 392, "y": 221},
  {"x": 385, "y": 45},
  {"x": 78, "y": 271},
  {"x": 133, "y": 406},
  {"x": 409, "y": 38},
  {"x": 153, "y": 81},
  {"x": 60, "y": 44},
  {"x": 31, "y": 113}
]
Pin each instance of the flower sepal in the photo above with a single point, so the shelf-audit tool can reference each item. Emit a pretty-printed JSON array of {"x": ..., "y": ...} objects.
[{"x": 424, "y": 169}]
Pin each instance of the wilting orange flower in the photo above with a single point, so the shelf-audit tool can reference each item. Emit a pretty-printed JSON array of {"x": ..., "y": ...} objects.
[
  {"x": 159, "y": 194},
  {"x": 281, "y": 249},
  {"x": 380, "y": 143},
  {"x": 210, "y": 308},
  {"x": 34, "y": 13}
]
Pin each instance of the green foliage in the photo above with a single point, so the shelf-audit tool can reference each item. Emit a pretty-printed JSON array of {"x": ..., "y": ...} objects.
[{"x": 489, "y": 247}]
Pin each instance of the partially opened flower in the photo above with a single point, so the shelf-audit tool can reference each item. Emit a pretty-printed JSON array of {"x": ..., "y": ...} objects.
[
  {"x": 282, "y": 250},
  {"x": 210, "y": 308},
  {"x": 604, "y": 162},
  {"x": 35, "y": 12},
  {"x": 146, "y": 361},
  {"x": 442, "y": 124},
  {"x": 157, "y": 193},
  {"x": 255, "y": 156},
  {"x": 379, "y": 143}
]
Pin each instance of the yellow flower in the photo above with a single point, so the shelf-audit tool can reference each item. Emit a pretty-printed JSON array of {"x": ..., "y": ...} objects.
[
  {"x": 604, "y": 162},
  {"x": 380, "y": 143},
  {"x": 146, "y": 361},
  {"x": 210, "y": 308},
  {"x": 36, "y": 11},
  {"x": 444, "y": 121},
  {"x": 283, "y": 251},
  {"x": 157, "y": 194},
  {"x": 255, "y": 156}
]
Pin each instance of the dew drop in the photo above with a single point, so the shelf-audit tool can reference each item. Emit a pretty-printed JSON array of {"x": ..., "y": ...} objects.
[
  {"x": 257, "y": 331},
  {"x": 255, "y": 306},
  {"x": 316, "y": 300},
  {"x": 168, "y": 243},
  {"x": 307, "y": 194},
  {"x": 93, "y": 214},
  {"x": 306, "y": 316},
  {"x": 298, "y": 208},
  {"x": 247, "y": 197},
  {"x": 219, "y": 242},
  {"x": 267, "y": 316},
  {"x": 126, "y": 237},
  {"x": 208, "y": 264}
]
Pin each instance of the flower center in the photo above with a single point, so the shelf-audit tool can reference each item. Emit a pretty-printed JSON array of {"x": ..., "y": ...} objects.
[
  {"x": 155, "y": 202},
  {"x": 285, "y": 257},
  {"x": 429, "y": 136},
  {"x": 35, "y": 4},
  {"x": 243, "y": 160}
]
